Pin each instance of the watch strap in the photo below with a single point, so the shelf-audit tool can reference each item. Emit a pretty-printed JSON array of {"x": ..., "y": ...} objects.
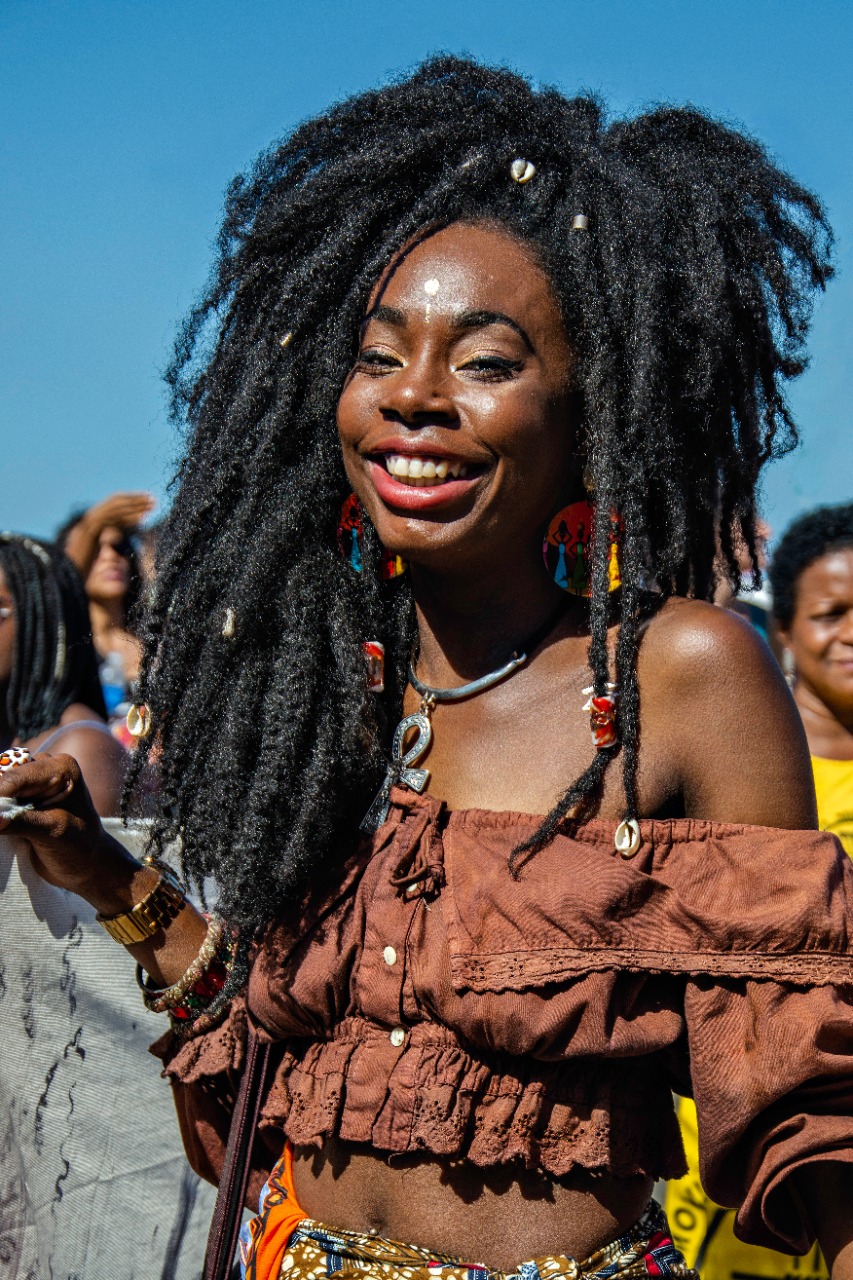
[{"x": 156, "y": 910}]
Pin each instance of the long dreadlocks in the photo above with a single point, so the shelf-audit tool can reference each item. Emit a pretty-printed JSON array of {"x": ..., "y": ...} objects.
[
  {"x": 55, "y": 662},
  {"x": 687, "y": 303}
]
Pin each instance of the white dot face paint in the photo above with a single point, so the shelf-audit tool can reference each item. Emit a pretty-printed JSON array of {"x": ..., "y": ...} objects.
[{"x": 431, "y": 288}]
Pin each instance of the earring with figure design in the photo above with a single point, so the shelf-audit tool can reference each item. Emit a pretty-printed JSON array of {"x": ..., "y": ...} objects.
[
  {"x": 350, "y": 541},
  {"x": 567, "y": 549}
]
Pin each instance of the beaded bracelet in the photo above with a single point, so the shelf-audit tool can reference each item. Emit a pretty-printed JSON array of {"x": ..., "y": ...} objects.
[
  {"x": 208, "y": 1017},
  {"x": 165, "y": 999}
]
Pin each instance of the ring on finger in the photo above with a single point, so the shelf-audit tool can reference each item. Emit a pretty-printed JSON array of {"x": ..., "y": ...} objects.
[{"x": 13, "y": 758}]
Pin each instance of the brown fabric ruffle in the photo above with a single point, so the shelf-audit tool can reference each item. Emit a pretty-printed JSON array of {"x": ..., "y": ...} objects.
[{"x": 427, "y": 1000}]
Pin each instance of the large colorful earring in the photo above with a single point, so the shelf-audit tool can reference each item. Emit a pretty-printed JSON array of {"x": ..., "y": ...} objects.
[
  {"x": 567, "y": 549},
  {"x": 350, "y": 535}
]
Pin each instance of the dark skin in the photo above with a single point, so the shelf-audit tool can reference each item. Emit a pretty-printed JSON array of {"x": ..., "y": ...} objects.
[
  {"x": 440, "y": 379},
  {"x": 820, "y": 638}
]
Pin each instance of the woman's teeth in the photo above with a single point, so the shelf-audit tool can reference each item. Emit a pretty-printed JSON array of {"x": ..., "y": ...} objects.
[{"x": 423, "y": 471}]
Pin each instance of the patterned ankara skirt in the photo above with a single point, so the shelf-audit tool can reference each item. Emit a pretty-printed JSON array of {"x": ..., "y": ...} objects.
[{"x": 318, "y": 1252}]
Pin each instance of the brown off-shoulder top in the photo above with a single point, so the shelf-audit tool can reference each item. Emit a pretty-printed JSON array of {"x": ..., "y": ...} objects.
[{"x": 426, "y": 999}]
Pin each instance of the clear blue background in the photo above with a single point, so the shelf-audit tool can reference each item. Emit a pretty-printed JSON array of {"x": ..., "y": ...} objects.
[{"x": 123, "y": 122}]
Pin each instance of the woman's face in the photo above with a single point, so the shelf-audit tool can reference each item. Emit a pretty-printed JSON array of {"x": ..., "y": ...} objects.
[
  {"x": 821, "y": 633},
  {"x": 109, "y": 576},
  {"x": 7, "y": 631},
  {"x": 457, "y": 420}
]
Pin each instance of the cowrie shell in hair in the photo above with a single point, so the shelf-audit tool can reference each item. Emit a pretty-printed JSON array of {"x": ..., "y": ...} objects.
[
  {"x": 229, "y": 626},
  {"x": 522, "y": 170},
  {"x": 627, "y": 838},
  {"x": 138, "y": 720}
]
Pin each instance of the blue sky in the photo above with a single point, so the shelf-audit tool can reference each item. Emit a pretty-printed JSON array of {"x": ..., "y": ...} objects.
[{"x": 124, "y": 121}]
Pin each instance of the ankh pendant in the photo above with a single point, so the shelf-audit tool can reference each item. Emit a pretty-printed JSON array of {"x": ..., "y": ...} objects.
[{"x": 400, "y": 771}]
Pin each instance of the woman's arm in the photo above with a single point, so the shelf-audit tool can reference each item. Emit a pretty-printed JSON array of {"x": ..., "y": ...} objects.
[
  {"x": 103, "y": 763},
  {"x": 123, "y": 510},
  {"x": 70, "y": 848},
  {"x": 827, "y": 1190},
  {"x": 743, "y": 758}
]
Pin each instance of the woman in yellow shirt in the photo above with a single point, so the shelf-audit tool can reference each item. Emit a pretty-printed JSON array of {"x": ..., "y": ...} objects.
[{"x": 812, "y": 581}]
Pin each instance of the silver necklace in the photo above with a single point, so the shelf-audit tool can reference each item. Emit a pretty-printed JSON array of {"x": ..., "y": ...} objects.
[{"x": 401, "y": 770}]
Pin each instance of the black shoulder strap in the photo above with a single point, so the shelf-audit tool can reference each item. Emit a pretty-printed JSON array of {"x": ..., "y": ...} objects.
[{"x": 233, "y": 1182}]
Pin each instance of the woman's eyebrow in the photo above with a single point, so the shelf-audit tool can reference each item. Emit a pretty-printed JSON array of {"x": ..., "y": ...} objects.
[
  {"x": 481, "y": 320},
  {"x": 385, "y": 315},
  {"x": 466, "y": 320}
]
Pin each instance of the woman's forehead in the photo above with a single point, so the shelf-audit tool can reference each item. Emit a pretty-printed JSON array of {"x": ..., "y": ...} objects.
[
  {"x": 464, "y": 264},
  {"x": 830, "y": 575}
]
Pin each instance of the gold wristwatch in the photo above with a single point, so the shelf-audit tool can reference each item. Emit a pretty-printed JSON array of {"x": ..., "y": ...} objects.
[{"x": 156, "y": 910}]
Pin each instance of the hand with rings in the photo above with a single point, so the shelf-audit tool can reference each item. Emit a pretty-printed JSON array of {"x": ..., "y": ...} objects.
[{"x": 44, "y": 800}]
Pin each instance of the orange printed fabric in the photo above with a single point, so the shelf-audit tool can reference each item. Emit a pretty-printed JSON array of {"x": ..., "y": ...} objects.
[{"x": 264, "y": 1239}]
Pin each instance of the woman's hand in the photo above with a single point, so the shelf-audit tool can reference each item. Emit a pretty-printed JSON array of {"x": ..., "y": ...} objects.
[
  {"x": 119, "y": 510},
  {"x": 69, "y": 847}
]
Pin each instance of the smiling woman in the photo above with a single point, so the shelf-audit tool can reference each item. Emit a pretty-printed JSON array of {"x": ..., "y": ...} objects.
[
  {"x": 812, "y": 575},
  {"x": 501, "y": 897}
]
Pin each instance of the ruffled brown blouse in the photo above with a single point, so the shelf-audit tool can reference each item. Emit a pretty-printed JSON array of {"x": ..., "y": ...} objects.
[{"x": 428, "y": 1000}]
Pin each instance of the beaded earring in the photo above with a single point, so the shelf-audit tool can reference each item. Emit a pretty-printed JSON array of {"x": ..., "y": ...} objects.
[
  {"x": 350, "y": 533},
  {"x": 567, "y": 549}
]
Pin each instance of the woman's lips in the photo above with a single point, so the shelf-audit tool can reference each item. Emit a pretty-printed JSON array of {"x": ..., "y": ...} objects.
[{"x": 408, "y": 497}]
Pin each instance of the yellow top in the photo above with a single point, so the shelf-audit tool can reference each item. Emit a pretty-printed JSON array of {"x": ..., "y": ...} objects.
[{"x": 833, "y": 782}]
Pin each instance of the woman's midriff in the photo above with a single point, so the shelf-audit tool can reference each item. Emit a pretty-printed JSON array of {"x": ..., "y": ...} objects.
[{"x": 499, "y": 1216}]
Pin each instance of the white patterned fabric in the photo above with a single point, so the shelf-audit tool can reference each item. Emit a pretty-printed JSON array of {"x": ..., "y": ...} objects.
[{"x": 94, "y": 1184}]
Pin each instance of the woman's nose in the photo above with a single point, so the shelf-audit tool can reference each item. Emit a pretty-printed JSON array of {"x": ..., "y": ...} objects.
[
  {"x": 419, "y": 392},
  {"x": 845, "y": 631}
]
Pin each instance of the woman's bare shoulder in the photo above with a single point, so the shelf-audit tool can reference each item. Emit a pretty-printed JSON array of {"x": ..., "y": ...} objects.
[
  {"x": 697, "y": 638},
  {"x": 709, "y": 682}
]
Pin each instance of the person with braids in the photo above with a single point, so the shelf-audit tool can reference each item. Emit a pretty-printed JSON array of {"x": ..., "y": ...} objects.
[
  {"x": 50, "y": 694},
  {"x": 461, "y": 334}
]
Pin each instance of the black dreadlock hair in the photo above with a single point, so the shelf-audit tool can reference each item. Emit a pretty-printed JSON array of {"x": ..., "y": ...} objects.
[
  {"x": 687, "y": 302},
  {"x": 55, "y": 661},
  {"x": 810, "y": 537}
]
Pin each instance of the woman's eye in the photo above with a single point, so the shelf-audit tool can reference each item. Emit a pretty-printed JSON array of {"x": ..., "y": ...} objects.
[
  {"x": 490, "y": 368},
  {"x": 376, "y": 361}
]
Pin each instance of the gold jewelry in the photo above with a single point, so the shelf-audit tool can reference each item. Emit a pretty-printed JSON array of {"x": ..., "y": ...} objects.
[{"x": 156, "y": 910}]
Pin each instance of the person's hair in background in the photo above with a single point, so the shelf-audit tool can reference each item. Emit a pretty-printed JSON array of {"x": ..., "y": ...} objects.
[
  {"x": 812, "y": 579},
  {"x": 54, "y": 663},
  {"x": 50, "y": 691},
  {"x": 684, "y": 335}
]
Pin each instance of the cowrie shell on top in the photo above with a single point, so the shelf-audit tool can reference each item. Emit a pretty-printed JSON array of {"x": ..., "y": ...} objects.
[{"x": 522, "y": 170}]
